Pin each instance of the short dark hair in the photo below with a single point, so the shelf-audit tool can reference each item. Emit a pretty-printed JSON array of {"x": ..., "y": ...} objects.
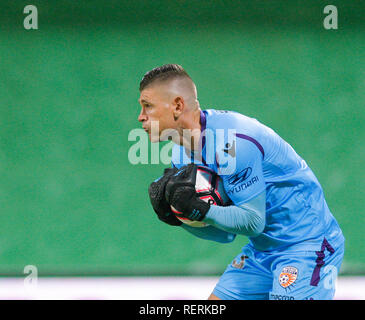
[{"x": 165, "y": 72}]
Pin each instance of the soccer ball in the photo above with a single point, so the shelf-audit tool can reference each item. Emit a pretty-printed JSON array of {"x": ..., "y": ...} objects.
[{"x": 209, "y": 188}]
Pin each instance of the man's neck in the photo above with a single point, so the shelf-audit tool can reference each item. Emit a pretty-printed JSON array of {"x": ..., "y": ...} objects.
[{"x": 191, "y": 132}]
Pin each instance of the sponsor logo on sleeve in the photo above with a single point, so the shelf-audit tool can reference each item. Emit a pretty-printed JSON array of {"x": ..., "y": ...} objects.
[
  {"x": 241, "y": 181},
  {"x": 240, "y": 176}
]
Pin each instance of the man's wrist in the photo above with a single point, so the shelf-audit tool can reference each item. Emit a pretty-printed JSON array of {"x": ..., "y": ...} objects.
[{"x": 197, "y": 210}]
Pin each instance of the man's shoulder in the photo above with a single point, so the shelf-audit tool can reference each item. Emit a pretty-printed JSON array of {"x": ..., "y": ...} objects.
[
  {"x": 234, "y": 137},
  {"x": 226, "y": 119},
  {"x": 225, "y": 124}
]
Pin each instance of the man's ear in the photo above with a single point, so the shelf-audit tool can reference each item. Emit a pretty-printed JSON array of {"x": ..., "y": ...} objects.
[{"x": 179, "y": 105}]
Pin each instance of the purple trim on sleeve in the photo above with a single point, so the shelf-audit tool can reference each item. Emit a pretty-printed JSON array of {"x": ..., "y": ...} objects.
[
  {"x": 320, "y": 262},
  {"x": 258, "y": 145},
  {"x": 203, "y": 122}
]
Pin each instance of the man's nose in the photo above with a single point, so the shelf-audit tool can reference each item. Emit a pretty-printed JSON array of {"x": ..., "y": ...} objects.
[{"x": 142, "y": 116}]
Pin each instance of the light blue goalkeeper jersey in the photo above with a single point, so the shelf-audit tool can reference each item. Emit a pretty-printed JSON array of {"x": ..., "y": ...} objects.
[{"x": 250, "y": 157}]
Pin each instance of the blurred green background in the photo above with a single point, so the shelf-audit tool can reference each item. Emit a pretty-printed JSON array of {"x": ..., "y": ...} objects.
[{"x": 71, "y": 202}]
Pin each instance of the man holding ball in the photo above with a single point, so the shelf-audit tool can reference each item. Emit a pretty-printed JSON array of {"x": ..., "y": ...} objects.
[{"x": 277, "y": 202}]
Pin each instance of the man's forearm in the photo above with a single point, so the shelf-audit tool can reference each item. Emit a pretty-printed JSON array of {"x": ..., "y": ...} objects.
[
  {"x": 247, "y": 219},
  {"x": 210, "y": 233}
]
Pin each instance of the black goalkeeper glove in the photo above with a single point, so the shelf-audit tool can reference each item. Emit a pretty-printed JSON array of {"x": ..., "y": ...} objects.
[
  {"x": 181, "y": 194},
  {"x": 156, "y": 191}
]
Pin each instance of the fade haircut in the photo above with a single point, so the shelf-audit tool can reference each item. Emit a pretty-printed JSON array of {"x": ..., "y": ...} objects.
[{"x": 163, "y": 73}]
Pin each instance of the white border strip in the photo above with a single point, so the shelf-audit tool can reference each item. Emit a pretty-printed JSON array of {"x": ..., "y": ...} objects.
[{"x": 137, "y": 288}]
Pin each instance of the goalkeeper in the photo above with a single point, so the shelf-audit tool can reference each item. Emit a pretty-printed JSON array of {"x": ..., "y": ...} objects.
[{"x": 295, "y": 247}]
